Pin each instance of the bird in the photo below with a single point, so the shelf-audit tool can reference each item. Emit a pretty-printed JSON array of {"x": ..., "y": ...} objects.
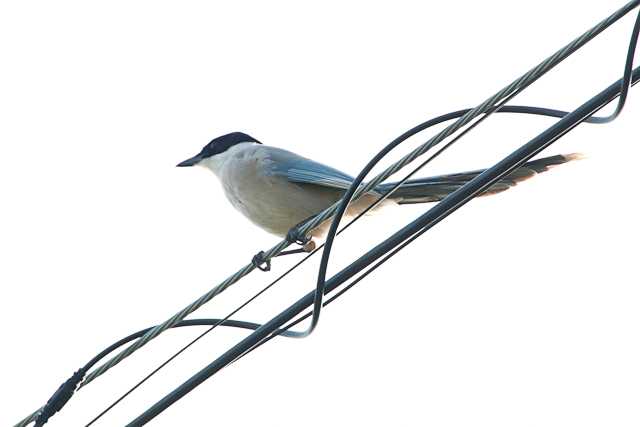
[{"x": 278, "y": 190}]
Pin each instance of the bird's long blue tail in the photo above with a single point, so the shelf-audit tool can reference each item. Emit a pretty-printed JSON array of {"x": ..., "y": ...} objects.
[{"x": 436, "y": 188}]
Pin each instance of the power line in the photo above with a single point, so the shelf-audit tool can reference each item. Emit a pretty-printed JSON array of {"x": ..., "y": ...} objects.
[{"x": 460, "y": 197}]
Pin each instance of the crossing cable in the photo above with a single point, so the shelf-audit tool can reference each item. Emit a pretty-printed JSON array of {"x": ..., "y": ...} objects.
[{"x": 469, "y": 115}]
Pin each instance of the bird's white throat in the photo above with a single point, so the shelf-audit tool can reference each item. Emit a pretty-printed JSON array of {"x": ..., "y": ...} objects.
[{"x": 218, "y": 162}]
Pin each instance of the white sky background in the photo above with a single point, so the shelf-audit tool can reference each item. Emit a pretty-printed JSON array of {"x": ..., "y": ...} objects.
[{"x": 520, "y": 309}]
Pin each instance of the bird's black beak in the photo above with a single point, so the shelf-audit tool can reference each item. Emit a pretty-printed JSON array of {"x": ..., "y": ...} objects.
[{"x": 190, "y": 162}]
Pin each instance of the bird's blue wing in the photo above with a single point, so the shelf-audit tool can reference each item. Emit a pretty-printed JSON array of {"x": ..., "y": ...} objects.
[{"x": 301, "y": 170}]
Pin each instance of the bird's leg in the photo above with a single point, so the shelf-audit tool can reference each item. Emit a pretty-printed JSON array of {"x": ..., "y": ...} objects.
[
  {"x": 306, "y": 248},
  {"x": 294, "y": 236}
]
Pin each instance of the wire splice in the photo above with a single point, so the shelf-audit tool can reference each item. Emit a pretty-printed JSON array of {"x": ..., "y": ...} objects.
[{"x": 60, "y": 398}]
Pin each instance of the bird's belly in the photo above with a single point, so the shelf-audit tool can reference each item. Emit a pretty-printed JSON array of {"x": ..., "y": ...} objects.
[
  {"x": 274, "y": 204},
  {"x": 277, "y": 205}
]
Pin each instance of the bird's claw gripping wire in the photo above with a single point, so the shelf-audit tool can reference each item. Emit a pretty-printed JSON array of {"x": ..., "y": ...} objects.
[
  {"x": 296, "y": 237},
  {"x": 259, "y": 260},
  {"x": 293, "y": 236}
]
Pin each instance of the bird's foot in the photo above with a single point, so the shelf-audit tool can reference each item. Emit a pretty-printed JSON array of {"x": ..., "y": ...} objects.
[
  {"x": 309, "y": 246},
  {"x": 306, "y": 248},
  {"x": 295, "y": 236},
  {"x": 258, "y": 261}
]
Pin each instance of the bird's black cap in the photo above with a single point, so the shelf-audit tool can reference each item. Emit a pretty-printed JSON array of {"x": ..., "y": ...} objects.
[{"x": 217, "y": 146}]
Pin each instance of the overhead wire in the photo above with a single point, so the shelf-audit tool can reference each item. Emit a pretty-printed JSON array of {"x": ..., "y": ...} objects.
[{"x": 486, "y": 108}]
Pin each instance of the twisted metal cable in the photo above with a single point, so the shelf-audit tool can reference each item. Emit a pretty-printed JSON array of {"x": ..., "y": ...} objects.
[
  {"x": 515, "y": 87},
  {"x": 31, "y": 418}
]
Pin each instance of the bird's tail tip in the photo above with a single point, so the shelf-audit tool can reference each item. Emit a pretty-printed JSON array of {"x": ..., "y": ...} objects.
[
  {"x": 547, "y": 163},
  {"x": 574, "y": 156}
]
